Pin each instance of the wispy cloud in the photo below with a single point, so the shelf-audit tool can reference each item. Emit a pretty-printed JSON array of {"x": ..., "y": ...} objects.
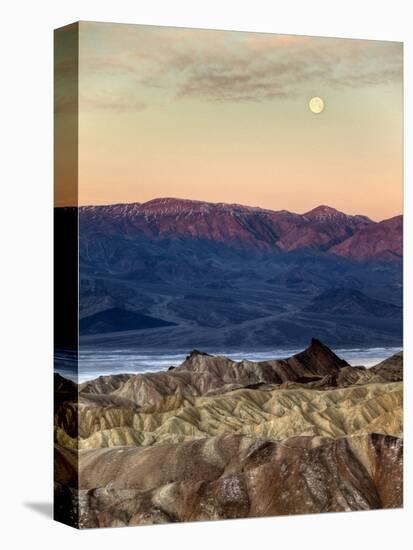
[{"x": 229, "y": 66}]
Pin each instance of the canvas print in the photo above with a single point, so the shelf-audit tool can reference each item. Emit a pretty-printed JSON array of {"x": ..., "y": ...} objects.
[{"x": 228, "y": 275}]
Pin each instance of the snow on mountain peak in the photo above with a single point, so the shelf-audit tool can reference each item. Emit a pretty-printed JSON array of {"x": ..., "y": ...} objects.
[{"x": 328, "y": 213}]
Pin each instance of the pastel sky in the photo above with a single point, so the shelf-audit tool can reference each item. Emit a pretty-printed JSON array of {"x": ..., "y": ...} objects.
[{"x": 223, "y": 116}]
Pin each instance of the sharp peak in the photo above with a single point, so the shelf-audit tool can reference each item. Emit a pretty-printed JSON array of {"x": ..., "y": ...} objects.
[
  {"x": 316, "y": 343},
  {"x": 326, "y": 207},
  {"x": 196, "y": 352},
  {"x": 317, "y": 347},
  {"x": 324, "y": 211}
]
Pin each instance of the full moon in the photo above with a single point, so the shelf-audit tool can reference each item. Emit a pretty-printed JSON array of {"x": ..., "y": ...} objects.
[{"x": 316, "y": 105}]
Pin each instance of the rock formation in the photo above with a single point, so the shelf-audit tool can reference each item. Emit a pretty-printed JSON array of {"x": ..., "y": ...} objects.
[{"x": 214, "y": 438}]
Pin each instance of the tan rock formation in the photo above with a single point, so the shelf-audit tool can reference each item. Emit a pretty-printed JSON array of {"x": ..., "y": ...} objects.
[
  {"x": 214, "y": 438},
  {"x": 234, "y": 476}
]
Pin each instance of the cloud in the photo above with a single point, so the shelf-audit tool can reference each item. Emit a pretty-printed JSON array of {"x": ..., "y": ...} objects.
[
  {"x": 256, "y": 80},
  {"x": 280, "y": 70},
  {"x": 232, "y": 66}
]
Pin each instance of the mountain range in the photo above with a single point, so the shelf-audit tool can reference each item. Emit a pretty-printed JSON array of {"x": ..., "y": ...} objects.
[
  {"x": 173, "y": 273},
  {"x": 323, "y": 228}
]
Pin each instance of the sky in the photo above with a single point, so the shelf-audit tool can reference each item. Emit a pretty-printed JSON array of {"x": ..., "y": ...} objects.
[{"x": 223, "y": 116}]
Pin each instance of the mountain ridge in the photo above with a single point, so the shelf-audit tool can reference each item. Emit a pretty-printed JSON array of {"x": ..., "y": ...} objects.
[
  {"x": 162, "y": 201},
  {"x": 323, "y": 228},
  {"x": 252, "y": 273}
]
